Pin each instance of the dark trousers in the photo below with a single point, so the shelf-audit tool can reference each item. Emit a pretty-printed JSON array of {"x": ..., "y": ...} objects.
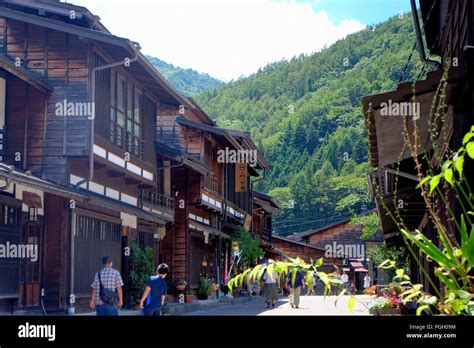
[
  {"x": 152, "y": 312},
  {"x": 106, "y": 310}
]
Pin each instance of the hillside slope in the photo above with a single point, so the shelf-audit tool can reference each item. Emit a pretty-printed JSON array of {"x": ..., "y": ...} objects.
[
  {"x": 187, "y": 81},
  {"x": 306, "y": 115}
]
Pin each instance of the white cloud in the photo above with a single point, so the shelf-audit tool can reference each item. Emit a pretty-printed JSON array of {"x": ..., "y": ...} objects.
[{"x": 225, "y": 38}]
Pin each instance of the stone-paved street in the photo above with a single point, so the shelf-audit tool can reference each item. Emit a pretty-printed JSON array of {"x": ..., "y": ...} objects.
[{"x": 309, "y": 305}]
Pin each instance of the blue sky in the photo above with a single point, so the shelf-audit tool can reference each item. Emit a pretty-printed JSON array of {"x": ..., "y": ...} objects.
[
  {"x": 364, "y": 11},
  {"x": 232, "y": 38}
]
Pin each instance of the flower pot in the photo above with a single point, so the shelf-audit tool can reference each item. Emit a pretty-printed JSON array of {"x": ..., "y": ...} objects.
[
  {"x": 388, "y": 311},
  {"x": 189, "y": 298}
]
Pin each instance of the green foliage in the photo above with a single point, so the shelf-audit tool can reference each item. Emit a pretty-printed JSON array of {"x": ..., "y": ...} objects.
[
  {"x": 370, "y": 222},
  {"x": 453, "y": 259},
  {"x": 250, "y": 247},
  {"x": 141, "y": 268},
  {"x": 204, "y": 288},
  {"x": 187, "y": 81},
  {"x": 306, "y": 115},
  {"x": 381, "y": 254},
  {"x": 283, "y": 268}
]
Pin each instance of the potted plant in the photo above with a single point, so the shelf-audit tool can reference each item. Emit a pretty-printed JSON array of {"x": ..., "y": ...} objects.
[
  {"x": 141, "y": 268},
  {"x": 204, "y": 289},
  {"x": 189, "y": 296},
  {"x": 180, "y": 284}
]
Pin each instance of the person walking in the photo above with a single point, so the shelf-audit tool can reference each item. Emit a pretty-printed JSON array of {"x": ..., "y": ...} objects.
[
  {"x": 107, "y": 293},
  {"x": 271, "y": 287},
  {"x": 155, "y": 292},
  {"x": 311, "y": 287},
  {"x": 345, "y": 280},
  {"x": 367, "y": 281},
  {"x": 295, "y": 286}
]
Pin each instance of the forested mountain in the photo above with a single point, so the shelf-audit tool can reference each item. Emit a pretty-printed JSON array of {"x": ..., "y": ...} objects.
[
  {"x": 187, "y": 81},
  {"x": 306, "y": 115}
]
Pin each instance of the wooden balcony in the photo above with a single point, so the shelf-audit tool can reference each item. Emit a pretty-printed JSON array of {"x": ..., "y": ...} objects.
[
  {"x": 156, "y": 202},
  {"x": 127, "y": 141},
  {"x": 211, "y": 184}
]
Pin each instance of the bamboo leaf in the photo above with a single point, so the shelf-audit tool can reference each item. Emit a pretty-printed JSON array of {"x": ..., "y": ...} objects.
[
  {"x": 423, "y": 181},
  {"x": 400, "y": 272},
  {"x": 448, "y": 176},
  {"x": 459, "y": 164},
  {"x": 428, "y": 248},
  {"x": 434, "y": 182},
  {"x": 293, "y": 276},
  {"x": 319, "y": 263},
  {"x": 470, "y": 149},
  {"x": 351, "y": 303},
  {"x": 467, "y": 137},
  {"x": 421, "y": 309},
  {"x": 446, "y": 281},
  {"x": 309, "y": 278}
]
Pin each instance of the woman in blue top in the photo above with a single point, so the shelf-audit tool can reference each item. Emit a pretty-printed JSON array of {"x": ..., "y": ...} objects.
[{"x": 155, "y": 292}]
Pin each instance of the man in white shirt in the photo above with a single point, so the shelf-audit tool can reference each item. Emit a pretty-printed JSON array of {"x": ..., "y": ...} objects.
[{"x": 345, "y": 280}]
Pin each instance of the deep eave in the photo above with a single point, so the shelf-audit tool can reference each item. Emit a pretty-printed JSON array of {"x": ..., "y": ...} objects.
[
  {"x": 130, "y": 48},
  {"x": 24, "y": 75}
]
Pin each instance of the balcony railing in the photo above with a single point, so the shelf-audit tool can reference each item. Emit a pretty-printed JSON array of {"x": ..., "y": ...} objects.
[
  {"x": 127, "y": 141},
  {"x": 212, "y": 184},
  {"x": 154, "y": 198}
]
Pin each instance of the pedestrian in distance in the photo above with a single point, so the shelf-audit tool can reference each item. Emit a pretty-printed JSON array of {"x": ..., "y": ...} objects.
[
  {"x": 295, "y": 286},
  {"x": 107, "y": 295},
  {"x": 155, "y": 292},
  {"x": 311, "y": 287},
  {"x": 271, "y": 288},
  {"x": 352, "y": 289},
  {"x": 345, "y": 280},
  {"x": 367, "y": 281}
]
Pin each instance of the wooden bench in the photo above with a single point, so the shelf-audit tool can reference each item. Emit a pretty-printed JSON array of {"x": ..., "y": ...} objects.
[{"x": 11, "y": 299}]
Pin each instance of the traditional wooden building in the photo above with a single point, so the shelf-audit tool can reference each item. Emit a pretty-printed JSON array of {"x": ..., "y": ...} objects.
[
  {"x": 345, "y": 248},
  {"x": 80, "y": 174},
  {"x": 444, "y": 109},
  {"x": 211, "y": 192}
]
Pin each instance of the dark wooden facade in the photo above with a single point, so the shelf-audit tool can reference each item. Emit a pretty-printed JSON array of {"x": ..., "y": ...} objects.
[
  {"x": 449, "y": 34},
  {"x": 78, "y": 119},
  {"x": 102, "y": 151},
  {"x": 208, "y": 210}
]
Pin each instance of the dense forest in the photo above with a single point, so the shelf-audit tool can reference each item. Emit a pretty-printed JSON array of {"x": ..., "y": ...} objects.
[
  {"x": 187, "y": 81},
  {"x": 306, "y": 115}
]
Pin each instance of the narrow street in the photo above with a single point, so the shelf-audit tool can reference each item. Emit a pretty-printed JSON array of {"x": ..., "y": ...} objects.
[{"x": 309, "y": 305}]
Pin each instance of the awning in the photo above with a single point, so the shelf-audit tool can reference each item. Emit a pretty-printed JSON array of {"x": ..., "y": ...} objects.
[
  {"x": 198, "y": 226},
  {"x": 13, "y": 176},
  {"x": 362, "y": 270},
  {"x": 346, "y": 269},
  {"x": 356, "y": 264}
]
